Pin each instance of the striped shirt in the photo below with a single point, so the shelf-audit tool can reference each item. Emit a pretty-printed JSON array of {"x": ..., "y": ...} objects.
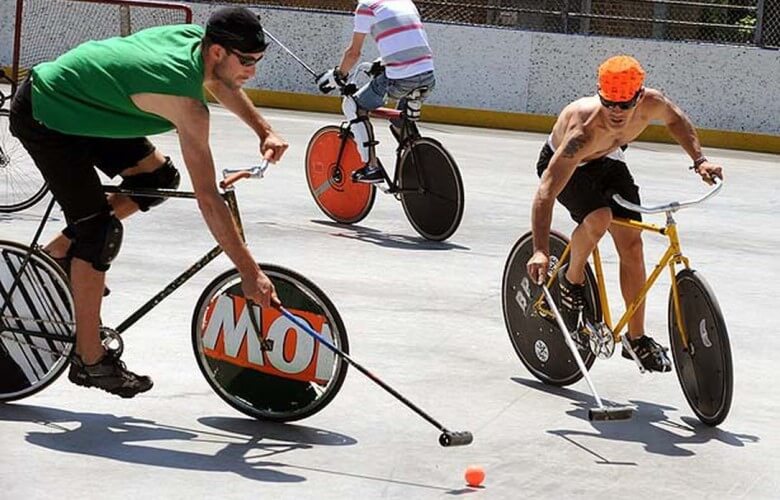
[{"x": 397, "y": 29}]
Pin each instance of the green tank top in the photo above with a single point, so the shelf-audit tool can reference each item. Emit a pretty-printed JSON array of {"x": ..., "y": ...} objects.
[{"x": 87, "y": 90}]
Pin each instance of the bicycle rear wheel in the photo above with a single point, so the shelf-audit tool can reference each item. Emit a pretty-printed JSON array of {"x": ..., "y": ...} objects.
[
  {"x": 296, "y": 378},
  {"x": 37, "y": 330},
  {"x": 431, "y": 189},
  {"x": 21, "y": 183},
  {"x": 704, "y": 367},
  {"x": 538, "y": 341},
  {"x": 330, "y": 180}
]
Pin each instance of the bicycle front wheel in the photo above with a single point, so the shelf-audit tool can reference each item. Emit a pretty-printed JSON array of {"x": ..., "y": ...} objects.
[
  {"x": 21, "y": 183},
  {"x": 330, "y": 178},
  {"x": 538, "y": 341},
  {"x": 431, "y": 189},
  {"x": 37, "y": 330},
  {"x": 704, "y": 366},
  {"x": 297, "y": 376}
]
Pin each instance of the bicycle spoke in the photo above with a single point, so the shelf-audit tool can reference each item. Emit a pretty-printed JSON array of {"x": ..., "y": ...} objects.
[{"x": 10, "y": 337}]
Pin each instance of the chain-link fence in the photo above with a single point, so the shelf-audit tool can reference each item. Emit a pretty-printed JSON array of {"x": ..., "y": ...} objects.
[
  {"x": 768, "y": 23},
  {"x": 721, "y": 21}
]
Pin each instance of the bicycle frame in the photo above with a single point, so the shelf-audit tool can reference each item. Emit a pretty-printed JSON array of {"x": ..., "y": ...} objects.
[
  {"x": 230, "y": 198},
  {"x": 672, "y": 257},
  {"x": 409, "y": 133},
  {"x": 228, "y": 194}
]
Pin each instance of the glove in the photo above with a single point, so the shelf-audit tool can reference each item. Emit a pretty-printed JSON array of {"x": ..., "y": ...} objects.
[{"x": 329, "y": 80}]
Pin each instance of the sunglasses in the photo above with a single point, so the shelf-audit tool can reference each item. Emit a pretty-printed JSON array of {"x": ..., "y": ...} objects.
[
  {"x": 244, "y": 59},
  {"x": 624, "y": 105}
]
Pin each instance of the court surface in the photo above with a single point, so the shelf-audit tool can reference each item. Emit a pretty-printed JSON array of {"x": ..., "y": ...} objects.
[{"x": 427, "y": 319}]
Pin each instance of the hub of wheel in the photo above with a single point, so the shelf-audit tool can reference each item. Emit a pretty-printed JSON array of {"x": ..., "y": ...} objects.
[{"x": 336, "y": 175}]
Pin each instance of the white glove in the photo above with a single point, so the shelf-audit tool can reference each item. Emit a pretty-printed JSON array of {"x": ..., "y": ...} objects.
[{"x": 330, "y": 80}]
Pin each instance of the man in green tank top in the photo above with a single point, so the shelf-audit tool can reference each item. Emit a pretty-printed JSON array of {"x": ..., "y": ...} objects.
[{"x": 93, "y": 107}]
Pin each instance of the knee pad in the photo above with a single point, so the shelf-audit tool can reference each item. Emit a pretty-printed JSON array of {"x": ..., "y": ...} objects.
[
  {"x": 361, "y": 127},
  {"x": 98, "y": 239},
  {"x": 165, "y": 177}
]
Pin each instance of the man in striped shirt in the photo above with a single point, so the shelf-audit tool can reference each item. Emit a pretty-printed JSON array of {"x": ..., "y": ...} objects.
[{"x": 396, "y": 28}]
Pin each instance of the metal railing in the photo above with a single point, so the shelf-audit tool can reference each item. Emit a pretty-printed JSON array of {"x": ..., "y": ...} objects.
[{"x": 749, "y": 22}]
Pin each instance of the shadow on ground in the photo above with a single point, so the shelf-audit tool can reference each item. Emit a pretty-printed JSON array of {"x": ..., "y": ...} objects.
[
  {"x": 387, "y": 240},
  {"x": 244, "y": 447},
  {"x": 650, "y": 426}
]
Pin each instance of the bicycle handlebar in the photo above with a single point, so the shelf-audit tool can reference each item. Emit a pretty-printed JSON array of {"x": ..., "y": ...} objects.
[
  {"x": 350, "y": 87},
  {"x": 668, "y": 207},
  {"x": 231, "y": 176}
]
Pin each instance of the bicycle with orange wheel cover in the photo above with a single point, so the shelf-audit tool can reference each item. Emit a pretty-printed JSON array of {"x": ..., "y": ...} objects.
[{"x": 426, "y": 180}]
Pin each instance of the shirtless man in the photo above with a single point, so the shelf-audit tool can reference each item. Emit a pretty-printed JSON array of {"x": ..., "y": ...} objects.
[{"x": 582, "y": 165}]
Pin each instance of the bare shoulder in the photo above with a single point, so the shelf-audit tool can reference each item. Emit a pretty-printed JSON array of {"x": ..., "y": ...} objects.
[
  {"x": 574, "y": 119},
  {"x": 654, "y": 98},
  {"x": 580, "y": 109}
]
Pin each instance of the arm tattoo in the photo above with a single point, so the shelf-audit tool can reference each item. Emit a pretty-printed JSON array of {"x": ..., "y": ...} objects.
[{"x": 573, "y": 145}]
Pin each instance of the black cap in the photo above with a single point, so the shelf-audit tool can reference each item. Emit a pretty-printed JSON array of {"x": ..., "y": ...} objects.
[{"x": 236, "y": 28}]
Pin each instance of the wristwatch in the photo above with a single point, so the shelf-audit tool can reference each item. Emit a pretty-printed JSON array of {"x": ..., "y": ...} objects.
[{"x": 697, "y": 163}]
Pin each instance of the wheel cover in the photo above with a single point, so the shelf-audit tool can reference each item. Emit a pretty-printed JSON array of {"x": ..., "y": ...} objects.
[
  {"x": 331, "y": 184},
  {"x": 295, "y": 378},
  {"x": 703, "y": 367},
  {"x": 432, "y": 196},
  {"x": 538, "y": 341}
]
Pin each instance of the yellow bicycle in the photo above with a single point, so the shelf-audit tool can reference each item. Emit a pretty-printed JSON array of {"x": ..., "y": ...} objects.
[{"x": 697, "y": 331}]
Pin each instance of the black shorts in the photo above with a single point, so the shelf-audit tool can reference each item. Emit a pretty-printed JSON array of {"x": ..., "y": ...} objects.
[
  {"x": 592, "y": 185},
  {"x": 68, "y": 162}
]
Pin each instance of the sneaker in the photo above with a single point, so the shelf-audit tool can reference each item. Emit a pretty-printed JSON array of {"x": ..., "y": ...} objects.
[
  {"x": 109, "y": 374},
  {"x": 369, "y": 174},
  {"x": 650, "y": 353},
  {"x": 64, "y": 263},
  {"x": 572, "y": 301}
]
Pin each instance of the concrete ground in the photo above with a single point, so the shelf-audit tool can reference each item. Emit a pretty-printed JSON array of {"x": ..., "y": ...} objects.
[{"x": 427, "y": 319}]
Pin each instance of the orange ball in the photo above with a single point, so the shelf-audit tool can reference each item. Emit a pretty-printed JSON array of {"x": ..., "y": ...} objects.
[{"x": 474, "y": 475}]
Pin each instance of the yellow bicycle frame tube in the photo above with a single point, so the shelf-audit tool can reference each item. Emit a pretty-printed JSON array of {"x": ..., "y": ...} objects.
[{"x": 671, "y": 257}]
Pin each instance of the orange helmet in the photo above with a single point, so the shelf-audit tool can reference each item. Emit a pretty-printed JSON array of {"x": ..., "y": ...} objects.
[{"x": 620, "y": 78}]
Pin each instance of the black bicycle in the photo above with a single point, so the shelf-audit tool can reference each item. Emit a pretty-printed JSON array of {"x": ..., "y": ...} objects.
[
  {"x": 427, "y": 181},
  {"x": 21, "y": 183},
  {"x": 258, "y": 360}
]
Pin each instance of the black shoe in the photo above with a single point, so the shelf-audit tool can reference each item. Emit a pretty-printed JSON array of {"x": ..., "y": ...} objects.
[
  {"x": 369, "y": 174},
  {"x": 64, "y": 263},
  {"x": 109, "y": 374},
  {"x": 650, "y": 353},
  {"x": 572, "y": 301}
]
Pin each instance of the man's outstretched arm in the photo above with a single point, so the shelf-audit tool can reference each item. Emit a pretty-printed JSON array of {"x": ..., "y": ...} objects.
[
  {"x": 192, "y": 122},
  {"x": 683, "y": 131}
]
